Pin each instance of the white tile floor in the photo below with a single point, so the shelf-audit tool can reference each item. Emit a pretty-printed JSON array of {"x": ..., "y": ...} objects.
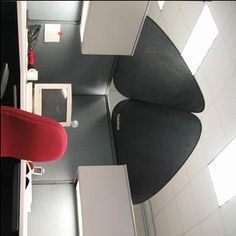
[
  {"x": 212, "y": 226},
  {"x": 229, "y": 34},
  {"x": 187, "y": 205},
  {"x": 228, "y": 214},
  {"x": 157, "y": 204},
  {"x": 195, "y": 231},
  {"x": 218, "y": 59},
  {"x": 204, "y": 195},
  {"x": 191, "y": 12},
  {"x": 179, "y": 31},
  {"x": 195, "y": 163},
  {"x": 213, "y": 139},
  {"x": 172, "y": 218},
  {"x": 227, "y": 110},
  {"x": 187, "y": 208},
  {"x": 180, "y": 180},
  {"x": 194, "y": 194},
  {"x": 169, "y": 13},
  {"x": 202, "y": 82}
]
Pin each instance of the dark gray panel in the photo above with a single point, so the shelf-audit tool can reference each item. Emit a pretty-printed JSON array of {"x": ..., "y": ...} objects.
[
  {"x": 53, "y": 211},
  {"x": 89, "y": 144},
  {"x": 154, "y": 141},
  {"x": 54, "y": 10},
  {"x": 63, "y": 63},
  {"x": 157, "y": 73},
  {"x": 10, "y": 51}
]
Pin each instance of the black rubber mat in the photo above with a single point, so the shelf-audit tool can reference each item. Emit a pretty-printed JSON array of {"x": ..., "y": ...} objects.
[
  {"x": 157, "y": 73},
  {"x": 154, "y": 141}
]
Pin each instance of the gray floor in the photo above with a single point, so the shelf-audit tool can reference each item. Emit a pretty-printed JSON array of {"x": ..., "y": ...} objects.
[
  {"x": 53, "y": 211},
  {"x": 144, "y": 222},
  {"x": 54, "y": 205},
  {"x": 88, "y": 144}
]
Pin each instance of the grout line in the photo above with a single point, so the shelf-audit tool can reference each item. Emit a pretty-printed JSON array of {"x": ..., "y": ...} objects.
[
  {"x": 223, "y": 223},
  {"x": 222, "y": 34},
  {"x": 229, "y": 15},
  {"x": 171, "y": 25},
  {"x": 221, "y": 217},
  {"x": 190, "y": 180},
  {"x": 202, "y": 68},
  {"x": 228, "y": 48},
  {"x": 201, "y": 221},
  {"x": 227, "y": 80},
  {"x": 176, "y": 195},
  {"x": 178, "y": 211},
  {"x": 216, "y": 110},
  {"x": 205, "y": 164}
]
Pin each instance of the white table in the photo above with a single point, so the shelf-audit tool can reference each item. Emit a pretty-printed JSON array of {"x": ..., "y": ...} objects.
[{"x": 25, "y": 196}]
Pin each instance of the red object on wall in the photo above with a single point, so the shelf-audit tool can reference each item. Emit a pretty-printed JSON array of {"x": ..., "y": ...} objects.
[
  {"x": 31, "y": 59},
  {"x": 31, "y": 137},
  {"x": 60, "y": 33}
]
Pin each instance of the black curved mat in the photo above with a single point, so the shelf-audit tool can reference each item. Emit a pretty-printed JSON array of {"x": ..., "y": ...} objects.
[
  {"x": 157, "y": 73},
  {"x": 154, "y": 141}
]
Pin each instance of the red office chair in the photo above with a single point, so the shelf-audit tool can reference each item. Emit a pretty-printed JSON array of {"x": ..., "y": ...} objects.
[{"x": 31, "y": 137}]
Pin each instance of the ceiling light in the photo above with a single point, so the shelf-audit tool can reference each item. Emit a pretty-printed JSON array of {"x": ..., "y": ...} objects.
[
  {"x": 223, "y": 173},
  {"x": 161, "y": 4},
  {"x": 200, "y": 40}
]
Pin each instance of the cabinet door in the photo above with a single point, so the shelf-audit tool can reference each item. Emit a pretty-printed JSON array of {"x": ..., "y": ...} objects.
[
  {"x": 104, "y": 202},
  {"x": 111, "y": 27}
]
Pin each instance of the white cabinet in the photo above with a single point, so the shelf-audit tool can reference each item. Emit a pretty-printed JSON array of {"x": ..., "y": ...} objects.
[
  {"x": 111, "y": 27},
  {"x": 104, "y": 202}
]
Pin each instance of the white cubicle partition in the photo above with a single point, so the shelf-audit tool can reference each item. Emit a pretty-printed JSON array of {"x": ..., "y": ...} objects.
[
  {"x": 104, "y": 201},
  {"x": 23, "y": 48},
  {"x": 23, "y": 51},
  {"x": 111, "y": 27}
]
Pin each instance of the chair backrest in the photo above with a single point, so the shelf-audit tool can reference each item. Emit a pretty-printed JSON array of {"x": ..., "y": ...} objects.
[{"x": 31, "y": 137}]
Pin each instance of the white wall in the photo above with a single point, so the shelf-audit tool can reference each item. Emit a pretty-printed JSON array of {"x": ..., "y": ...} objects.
[
  {"x": 187, "y": 205},
  {"x": 114, "y": 97}
]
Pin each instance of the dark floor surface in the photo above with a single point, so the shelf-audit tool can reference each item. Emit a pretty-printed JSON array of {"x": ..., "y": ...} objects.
[{"x": 10, "y": 55}]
